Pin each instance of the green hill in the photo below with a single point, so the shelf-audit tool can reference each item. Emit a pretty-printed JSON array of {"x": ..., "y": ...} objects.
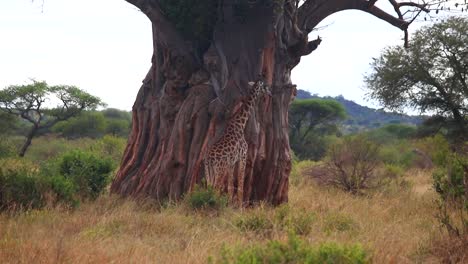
[{"x": 363, "y": 117}]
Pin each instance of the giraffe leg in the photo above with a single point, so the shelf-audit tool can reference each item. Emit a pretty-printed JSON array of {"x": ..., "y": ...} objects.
[
  {"x": 230, "y": 182},
  {"x": 207, "y": 173},
  {"x": 240, "y": 180},
  {"x": 218, "y": 181}
]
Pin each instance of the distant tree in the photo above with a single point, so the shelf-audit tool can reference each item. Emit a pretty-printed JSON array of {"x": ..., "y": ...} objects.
[
  {"x": 431, "y": 75},
  {"x": 87, "y": 124},
  {"x": 118, "y": 127},
  {"x": 8, "y": 123},
  {"x": 310, "y": 120},
  {"x": 117, "y": 114},
  {"x": 31, "y": 102},
  {"x": 118, "y": 122}
]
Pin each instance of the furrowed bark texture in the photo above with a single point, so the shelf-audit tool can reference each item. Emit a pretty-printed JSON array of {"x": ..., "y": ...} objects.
[{"x": 188, "y": 97}]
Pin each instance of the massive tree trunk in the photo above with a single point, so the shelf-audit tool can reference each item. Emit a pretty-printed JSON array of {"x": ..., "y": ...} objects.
[{"x": 195, "y": 84}]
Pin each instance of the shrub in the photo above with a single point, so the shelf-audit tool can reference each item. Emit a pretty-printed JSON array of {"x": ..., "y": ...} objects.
[
  {"x": 63, "y": 190},
  {"x": 206, "y": 198},
  {"x": 110, "y": 146},
  {"x": 295, "y": 251},
  {"x": 392, "y": 171},
  {"x": 437, "y": 147},
  {"x": 89, "y": 173},
  {"x": 20, "y": 187},
  {"x": 351, "y": 163},
  {"x": 451, "y": 183},
  {"x": 87, "y": 124},
  {"x": 397, "y": 154},
  {"x": 7, "y": 147},
  {"x": 298, "y": 222},
  {"x": 257, "y": 222},
  {"x": 25, "y": 186}
]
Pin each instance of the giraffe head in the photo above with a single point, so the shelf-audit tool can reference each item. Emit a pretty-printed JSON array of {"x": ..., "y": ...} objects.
[{"x": 259, "y": 88}]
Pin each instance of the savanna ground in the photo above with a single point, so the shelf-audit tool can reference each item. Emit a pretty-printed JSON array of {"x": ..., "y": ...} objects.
[{"x": 393, "y": 224}]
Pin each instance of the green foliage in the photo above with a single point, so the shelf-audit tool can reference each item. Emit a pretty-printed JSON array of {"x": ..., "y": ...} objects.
[
  {"x": 8, "y": 123},
  {"x": 295, "y": 251},
  {"x": 25, "y": 186},
  {"x": 88, "y": 124},
  {"x": 428, "y": 75},
  {"x": 296, "y": 221},
  {"x": 437, "y": 147},
  {"x": 392, "y": 133},
  {"x": 398, "y": 154},
  {"x": 392, "y": 171},
  {"x": 63, "y": 189},
  {"x": 89, "y": 173},
  {"x": 7, "y": 147},
  {"x": 450, "y": 182},
  {"x": 110, "y": 146},
  {"x": 117, "y": 127},
  {"x": 95, "y": 124},
  {"x": 206, "y": 198},
  {"x": 30, "y": 103},
  {"x": 20, "y": 187},
  {"x": 311, "y": 120},
  {"x": 118, "y": 122},
  {"x": 256, "y": 221}
]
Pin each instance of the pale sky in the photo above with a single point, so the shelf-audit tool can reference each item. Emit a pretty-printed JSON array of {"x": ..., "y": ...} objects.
[{"x": 105, "y": 47}]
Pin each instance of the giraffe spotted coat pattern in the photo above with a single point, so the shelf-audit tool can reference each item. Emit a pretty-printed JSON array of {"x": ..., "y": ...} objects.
[{"x": 231, "y": 148}]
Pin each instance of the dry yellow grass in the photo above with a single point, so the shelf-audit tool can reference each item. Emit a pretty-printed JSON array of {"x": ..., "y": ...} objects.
[{"x": 395, "y": 227}]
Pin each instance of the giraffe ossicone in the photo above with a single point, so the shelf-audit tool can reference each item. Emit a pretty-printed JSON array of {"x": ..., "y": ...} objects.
[{"x": 231, "y": 149}]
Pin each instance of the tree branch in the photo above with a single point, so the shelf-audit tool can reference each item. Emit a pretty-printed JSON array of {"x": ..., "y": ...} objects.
[{"x": 312, "y": 12}]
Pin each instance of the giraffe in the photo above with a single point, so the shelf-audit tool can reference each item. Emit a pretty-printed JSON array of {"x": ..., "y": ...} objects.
[{"x": 231, "y": 148}]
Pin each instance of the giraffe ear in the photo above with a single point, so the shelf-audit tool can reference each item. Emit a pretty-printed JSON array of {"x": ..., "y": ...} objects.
[{"x": 251, "y": 83}]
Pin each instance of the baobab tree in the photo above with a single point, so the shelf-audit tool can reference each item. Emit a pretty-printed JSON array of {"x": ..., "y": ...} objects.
[{"x": 205, "y": 53}]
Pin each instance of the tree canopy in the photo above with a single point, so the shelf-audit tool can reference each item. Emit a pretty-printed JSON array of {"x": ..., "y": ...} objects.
[
  {"x": 430, "y": 76},
  {"x": 35, "y": 103},
  {"x": 310, "y": 120}
]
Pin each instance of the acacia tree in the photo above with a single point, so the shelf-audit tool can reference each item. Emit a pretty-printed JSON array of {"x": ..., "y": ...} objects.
[
  {"x": 310, "y": 120},
  {"x": 431, "y": 75},
  {"x": 30, "y": 103},
  {"x": 205, "y": 53}
]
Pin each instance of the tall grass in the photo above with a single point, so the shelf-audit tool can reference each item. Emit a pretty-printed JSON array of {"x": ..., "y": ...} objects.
[{"x": 392, "y": 228}]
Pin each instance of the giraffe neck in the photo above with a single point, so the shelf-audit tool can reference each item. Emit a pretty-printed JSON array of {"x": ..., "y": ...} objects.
[{"x": 242, "y": 116}]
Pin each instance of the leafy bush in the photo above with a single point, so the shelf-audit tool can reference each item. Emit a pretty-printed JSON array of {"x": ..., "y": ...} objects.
[
  {"x": 392, "y": 171},
  {"x": 295, "y": 251},
  {"x": 20, "y": 187},
  {"x": 24, "y": 186},
  {"x": 63, "y": 190},
  {"x": 450, "y": 183},
  {"x": 351, "y": 163},
  {"x": 117, "y": 127},
  {"x": 257, "y": 222},
  {"x": 298, "y": 222},
  {"x": 87, "y": 124},
  {"x": 391, "y": 133},
  {"x": 7, "y": 147},
  {"x": 397, "y": 154},
  {"x": 110, "y": 146},
  {"x": 437, "y": 147},
  {"x": 89, "y": 173},
  {"x": 206, "y": 198}
]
